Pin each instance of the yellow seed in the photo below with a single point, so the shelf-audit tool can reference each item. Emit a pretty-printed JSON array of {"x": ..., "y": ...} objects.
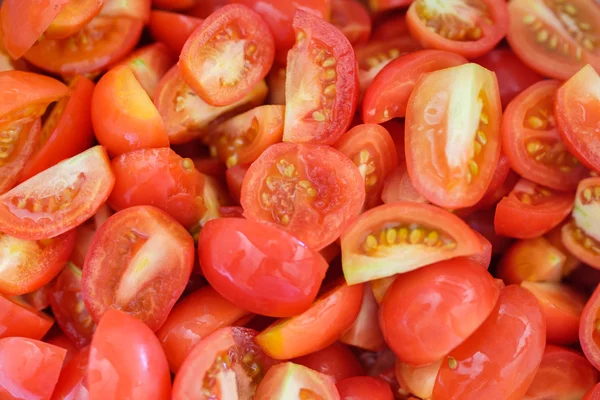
[
  {"x": 187, "y": 164},
  {"x": 329, "y": 74},
  {"x": 570, "y": 9},
  {"x": 566, "y": 168},
  {"x": 481, "y": 137},
  {"x": 391, "y": 235},
  {"x": 417, "y": 235},
  {"x": 476, "y": 33},
  {"x": 364, "y": 157},
  {"x": 402, "y": 234},
  {"x": 578, "y": 53},
  {"x": 311, "y": 192},
  {"x": 597, "y": 325},
  {"x": 213, "y": 151},
  {"x": 535, "y": 122},
  {"x": 371, "y": 243},
  {"x": 587, "y": 194},
  {"x": 596, "y": 191},
  {"x": 484, "y": 118},
  {"x": 450, "y": 246},
  {"x": 22, "y": 203},
  {"x": 588, "y": 44},
  {"x": 584, "y": 26},
  {"x": 473, "y": 168},
  {"x": 432, "y": 238},
  {"x": 394, "y": 53},
  {"x": 304, "y": 184},
  {"x": 251, "y": 49},
  {"x": 533, "y": 147},
  {"x": 232, "y": 160},
  {"x": 469, "y": 178},
  {"x": 545, "y": 192},
  {"x": 452, "y": 363},
  {"x": 587, "y": 242},
  {"x": 330, "y": 62},
  {"x": 553, "y": 42},
  {"x": 330, "y": 90},
  {"x": 525, "y": 198},
  {"x": 265, "y": 199},
  {"x": 372, "y": 62},
  {"x": 289, "y": 171},
  {"x": 285, "y": 219},
  {"x": 318, "y": 116},
  {"x": 37, "y": 206},
  {"x": 386, "y": 113},
  {"x": 542, "y": 36},
  {"x": 528, "y": 19},
  {"x": 300, "y": 35},
  {"x": 477, "y": 148},
  {"x": 371, "y": 180}
]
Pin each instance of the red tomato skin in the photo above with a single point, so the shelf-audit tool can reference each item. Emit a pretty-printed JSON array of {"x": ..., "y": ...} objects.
[
  {"x": 588, "y": 333},
  {"x": 336, "y": 360},
  {"x": 593, "y": 393},
  {"x": 19, "y": 319},
  {"x": 518, "y": 316},
  {"x": 364, "y": 388},
  {"x": 72, "y": 381},
  {"x": 352, "y": 19},
  {"x": 132, "y": 368},
  {"x": 172, "y": 29}
]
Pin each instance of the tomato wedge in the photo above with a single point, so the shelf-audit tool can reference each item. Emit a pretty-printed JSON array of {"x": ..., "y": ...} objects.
[
  {"x": 18, "y": 319},
  {"x": 589, "y": 335},
  {"x": 289, "y": 380},
  {"x": 149, "y": 64},
  {"x": 365, "y": 332},
  {"x": 337, "y": 361},
  {"x": 532, "y": 260},
  {"x": 72, "y": 17},
  {"x": 418, "y": 380},
  {"x": 172, "y": 29},
  {"x": 72, "y": 383}
]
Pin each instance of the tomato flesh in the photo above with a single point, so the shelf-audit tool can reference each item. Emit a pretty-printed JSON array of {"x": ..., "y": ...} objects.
[
  {"x": 18, "y": 319},
  {"x": 533, "y": 260},
  {"x": 289, "y": 379}
]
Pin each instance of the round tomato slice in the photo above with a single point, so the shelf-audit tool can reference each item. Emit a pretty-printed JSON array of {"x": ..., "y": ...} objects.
[
  {"x": 531, "y": 210},
  {"x": 318, "y": 327},
  {"x": 531, "y": 141},
  {"x": 18, "y": 319},
  {"x": 372, "y": 150},
  {"x": 400, "y": 237},
  {"x": 226, "y": 364},
  {"x": 172, "y": 29},
  {"x": 365, "y": 332},
  {"x": 72, "y": 17},
  {"x": 289, "y": 380},
  {"x": 337, "y": 361},
  {"x": 466, "y": 27},
  {"x": 226, "y": 56},
  {"x": 364, "y": 388},
  {"x": 59, "y": 198},
  {"x": 387, "y": 96},
  {"x": 72, "y": 383},
  {"x": 311, "y": 191},
  {"x": 511, "y": 340},
  {"x": 555, "y": 38},
  {"x": 321, "y": 87},
  {"x": 352, "y": 19},
  {"x": 126, "y": 361},
  {"x": 139, "y": 262},
  {"x": 532, "y": 260},
  {"x": 453, "y": 134}
]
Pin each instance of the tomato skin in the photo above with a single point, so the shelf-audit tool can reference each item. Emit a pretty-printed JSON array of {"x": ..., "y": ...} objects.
[
  {"x": 20, "y": 319},
  {"x": 72, "y": 381},
  {"x": 593, "y": 393},
  {"x": 365, "y": 332},
  {"x": 364, "y": 388},
  {"x": 352, "y": 19},
  {"x": 399, "y": 187},
  {"x": 532, "y": 260},
  {"x": 588, "y": 333},
  {"x": 172, "y": 29},
  {"x": 121, "y": 369},
  {"x": 511, "y": 340},
  {"x": 310, "y": 384},
  {"x": 336, "y": 360}
]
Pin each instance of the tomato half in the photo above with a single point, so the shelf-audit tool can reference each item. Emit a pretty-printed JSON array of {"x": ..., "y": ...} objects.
[
  {"x": 72, "y": 383},
  {"x": 337, "y": 361},
  {"x": 468, "y": 28},
  {"x": 172, "y": 29},
  {"x": 555, "y": 39},
  {"x": 387, "y": 96},
  {"x": 149, "y": 64},
  {"x": 72, "y": 17},
  {"x": 532, "y": 260},
  {"x": 18, "y": 319},
  {"x": 318, "y": 327},
  {"x": 418, "y": 380},
  {"x": 304, "y": 189},
  {"x": 365, "y": 332},
  {"x": 531, "y": 210},
  {"x": 59, "y": 198},
  {"x": 126, "y": 361},
  {"x": 364, "y": 388},
  {"x": 400, "y": 237},
  {"x": 293, "y": 381},
  {"x": 321, "y": 87},
  {"x": 352, "y": 19},
  {"x": 511, "y": 340},
  {"x": 225, "y": 364}
]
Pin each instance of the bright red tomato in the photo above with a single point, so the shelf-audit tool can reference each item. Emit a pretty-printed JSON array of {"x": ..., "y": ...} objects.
[
  {"x": 296, "y": 382},
  {"x": 532, "y": 260},
  {"x": 72, "y": 383},
  {"x": 364, "y": 388},
  {"x": 19, "y": 319},
  {"x": 172, "y": 29},
  {"x": 352, "y": 19},
  {"x": 365, "y": 332},
  {"x": 73, "y": 17},
  {"x": 336, "y": 360},
  {"x": 589, "y": 334},
  {"x": 593, "y": 393}
]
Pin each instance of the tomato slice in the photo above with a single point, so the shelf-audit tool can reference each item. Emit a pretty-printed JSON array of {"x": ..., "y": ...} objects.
[
  {"x": 18, "y": 319},
  {"x": 337, "y": 361},
  {"x": 593, "y": 393},
  {"x": 126, "y": 360},
  {"x": 236, "y": 37},
  {"x": 387, "y": 96},
  {"x": 172, "y": 29},
  {"x": 365, "y": 332},
  {"x": 72, "y": 17},
  {"x": 372, "y": 150},
  {"x": 466, "y": 27},
  {"x": 235, "y": 178},
  {"x": 149, "y": 64},
  {"x": 511, "y": 340},
  {"x": 555, "y": 39},
  {"x": 225, "y": 364},
  {"x": 398, "y": 187},
  {"x": 531, "y": 210},
  {"x": 555, "y": 239},
  {"x": 72, "y": 381},
  {"x": 304, "y": 189},
  {"x": 400, "y": 237},
  {"x": 352, "y": 19},
  {"x": 59, "y": 198},
  {"x": 318, "y": 327},
  {"x": 126, "y": 266},
  {"x": 289, "y": 380},
  {"x": 364, "y": 388},
  {"x": 532, "y": 260},
  {"x": 418, "y": 380},
  {"x": 18, "y": 141},
  {"x": 321, "y": 83},
  {"x": 453, "y": 134}
]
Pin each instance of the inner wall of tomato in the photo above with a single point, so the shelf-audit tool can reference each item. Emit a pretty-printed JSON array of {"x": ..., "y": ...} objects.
[{"x": 307, "y": 200}]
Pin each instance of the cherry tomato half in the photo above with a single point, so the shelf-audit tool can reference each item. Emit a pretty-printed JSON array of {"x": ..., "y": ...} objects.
[
  {"x": 532, "y": 260},
  {"x": 18, "y": 319}
]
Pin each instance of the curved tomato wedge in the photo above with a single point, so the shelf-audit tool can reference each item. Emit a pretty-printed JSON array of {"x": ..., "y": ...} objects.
[
  {"x": 149, "y": 64},
  {"x": 589, "y": 334},
  {"x": 310, "y": 191},
  {"x": 72, "y": 17},
  {"x": 387, "y": 96},
  {"x": 531, "y": 210},
  {"x": 139, "y": 262},
  {"x": 18, "y": 141},
  {"x": 531, "y": 141},
  {"x": 365, "y": 332},
  {"x": 72, "y": 383},
  {"x": 59, "y": 198},
  {"x": 289, "y": 380},
  {"x": 399, "y": 187},
  {"x": 321, "y": 87},
  {"x": 227, "y": 55},
  {"x": 532, "y": 260},
  {"x": 364, "y": 388},
  {"x": 337, "y": 361},
  {"x": 453, "y": 134},
  {"x": 225, "y": 364},
  {"x": 352, "y": 19},
  {"x": 468, "y": 28},
  {"x": 18, "y": 319},
  {"x": 400, "y": 237},
  {"x": 172, "y": 29}
]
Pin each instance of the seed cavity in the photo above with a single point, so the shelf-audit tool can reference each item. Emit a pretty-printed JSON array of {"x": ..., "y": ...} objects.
[
  {"x": 454, "y": 19},
  {"x": 408, "y": 234},
  {"x": 49, "y": 204}
]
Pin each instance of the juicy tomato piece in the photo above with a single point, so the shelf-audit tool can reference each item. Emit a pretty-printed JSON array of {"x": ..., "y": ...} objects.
[
  {"x": 139, "y": 262},
  {"x": 532, "y": 143},
  {"x": 430, "y": 299},
  {"x": 66, "y": 131},
  {"x": 562, "y": 307},
  {"x": 265, "y": 270},
  {"x": 72, "y": 18},
  {"x": 321, "y": 87},
  {"x": 418, "y": 380},
  {"x": 387, "y": 96},
  {"x": 234, "y": 36},
  {"x": 72, "y": 383},
  {"x": 365, "y": 332},
  {"x": 172, "y": 29},
  {"x": 66, "y": 300},
  {"x": 589, "y": 334},
  {"x": 175, "y": 4},
  {"x": 372, "y": 150},
  {"x": 34, "y": 379},
  {"x": 243, "y": 138},
  {"x": 466, "y": 27},
  {"x": 235, "y": 178},
  {"x": 293, "y": 381},
  {"x": 513, "y": 76},
  {"x": 100, "y": 43},
  {"x": 123, "y": 116},
  {"x": 532, "y": 260},
  {"x": 364, "y": 388},
  {"x": 593, "y": 393},
  {"x": 337, "y": 361},
  {"x": 451, "y": 156},
  {"x": 149, "y": 64},
  {"x": 225, "y": 364},
  {"x": 553, "y": 38},
  {"x": 318, "y": 327},
  {"x": 159, "y": 178},
  {"x": 192, "y": 319},
  {"x": 352, "y": 19},
  {"x": 398, "y": 187},
  {"x": 400, "y": 237},
  {"x": 17, "y": 318},
  {"x": 187, "y": 116},
  {"x": 21, "y": 139},
  {"x": 531, "y": 210},
  {"x": 59, "y": 198},
  {"x": 276, "y": 81},
  {"x": 392, "y": 27},
  {"x": 555, "y": 239},
  {"x": 304, "y": 189},
  {"x": 126, "y": 361},
  {"x": 563, "y": 374},
  {"x": 577, "y": 123},
  {"x": 511, "y": 340}
]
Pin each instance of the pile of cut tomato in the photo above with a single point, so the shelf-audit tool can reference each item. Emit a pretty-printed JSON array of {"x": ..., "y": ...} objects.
[{"x": 299, "y": 200}]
